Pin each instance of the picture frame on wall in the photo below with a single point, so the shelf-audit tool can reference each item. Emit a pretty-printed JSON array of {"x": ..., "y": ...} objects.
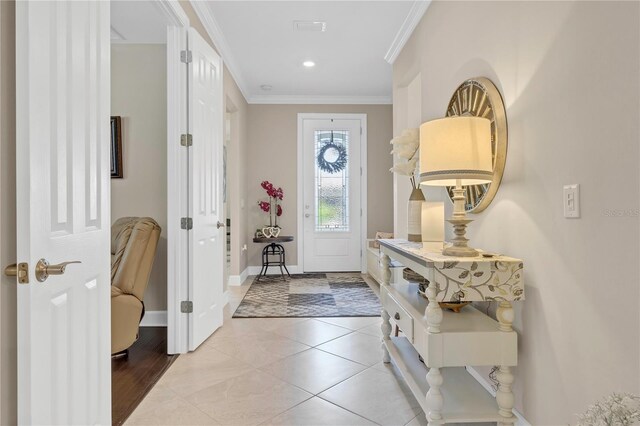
[{"x": 116, "y": 148}]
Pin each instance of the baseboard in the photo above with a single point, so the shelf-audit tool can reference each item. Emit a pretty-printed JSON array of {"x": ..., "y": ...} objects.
[
  {"x": 476, "y": 375},
  {"x": 237, "y": 280},
  {"x": 274, "y": 270},
  {"x": 154, "y": 319},
  {"x": 225, "y": 298}
]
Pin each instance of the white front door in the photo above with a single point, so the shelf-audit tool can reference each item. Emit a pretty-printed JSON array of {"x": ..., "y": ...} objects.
[
  {"x": 207, "y": 238},
  {"x": 332, "y": 212},
  {"x": 62, "y": 176}
]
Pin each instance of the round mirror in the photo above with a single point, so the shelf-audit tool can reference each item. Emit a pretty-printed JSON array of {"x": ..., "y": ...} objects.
[{"x": 479, "y": 97}]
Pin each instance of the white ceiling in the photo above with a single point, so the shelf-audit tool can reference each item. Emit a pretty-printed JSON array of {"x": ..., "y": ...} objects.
[
  {"x": 259, "y": 45},
  {"x": 138, "y": 22}
]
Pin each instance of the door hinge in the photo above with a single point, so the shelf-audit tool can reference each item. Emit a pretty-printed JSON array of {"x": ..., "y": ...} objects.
[
  {"x": 186, "y": 223},
  {"x": 186, "y": 56},
  {"x": 360, "y": 211},
  {"x": 186, "y": 139},
  {"x": 360, "y": 130},
  {"x": 186, "y": 307}
]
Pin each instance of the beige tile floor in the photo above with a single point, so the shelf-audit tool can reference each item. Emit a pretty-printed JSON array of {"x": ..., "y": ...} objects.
[{"x": 283, "y": 371}]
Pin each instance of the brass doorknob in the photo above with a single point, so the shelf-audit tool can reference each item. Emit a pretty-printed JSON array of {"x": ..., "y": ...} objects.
[{"x": 44, "y": 269}]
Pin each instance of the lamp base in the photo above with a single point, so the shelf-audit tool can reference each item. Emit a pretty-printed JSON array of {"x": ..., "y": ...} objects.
[{"x": 460, "y": 247}]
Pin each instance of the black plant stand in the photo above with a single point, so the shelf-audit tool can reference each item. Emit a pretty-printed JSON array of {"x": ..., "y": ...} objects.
[{"x": 273, "y": 254}]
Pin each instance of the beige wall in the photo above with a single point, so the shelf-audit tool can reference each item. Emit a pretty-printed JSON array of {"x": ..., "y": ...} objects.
[
  {"x": 237, "y": 106},
  {"x": 272, "y": 156},
  {"x": 8, "y": 360},
  {"x": 139, "y": 96},
  {"x": 237, "y": 155},
  {"x": 569, "y": 73}
]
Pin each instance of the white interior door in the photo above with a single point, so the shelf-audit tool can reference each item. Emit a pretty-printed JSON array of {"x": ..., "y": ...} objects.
[
  {"x": 63, "y": 169},
  {"x": 206, "y": 124},
  {"x": 332, "y": 194}
]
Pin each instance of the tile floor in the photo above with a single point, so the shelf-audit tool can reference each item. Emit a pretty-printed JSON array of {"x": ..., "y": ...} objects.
[{"x": 283, "y": 371}]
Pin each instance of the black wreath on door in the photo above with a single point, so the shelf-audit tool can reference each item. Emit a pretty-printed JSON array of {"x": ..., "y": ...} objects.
[{"x": 340, "y": 161}]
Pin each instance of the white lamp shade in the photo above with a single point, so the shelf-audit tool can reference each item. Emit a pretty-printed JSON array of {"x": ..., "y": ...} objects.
[{"x": 456, "y": 148}]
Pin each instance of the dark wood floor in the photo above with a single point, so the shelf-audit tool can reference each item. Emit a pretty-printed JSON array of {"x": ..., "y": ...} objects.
[{"x": 133, "y": 376}]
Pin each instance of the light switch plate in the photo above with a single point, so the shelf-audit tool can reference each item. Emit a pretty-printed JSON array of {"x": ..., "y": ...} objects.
[{"x": 571, "y": 200}]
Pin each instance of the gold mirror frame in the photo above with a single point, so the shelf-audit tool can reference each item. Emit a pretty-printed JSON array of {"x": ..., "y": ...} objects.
[{"x": 479, "y": 97}]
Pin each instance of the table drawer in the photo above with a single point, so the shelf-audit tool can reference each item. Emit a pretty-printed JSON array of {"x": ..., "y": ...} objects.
[{"x": 400, "y": 316}]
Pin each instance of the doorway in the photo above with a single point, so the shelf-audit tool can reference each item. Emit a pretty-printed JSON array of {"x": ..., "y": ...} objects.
[
  {"x": 332, "y": 191},
  {"x": 139, "y": 104}
]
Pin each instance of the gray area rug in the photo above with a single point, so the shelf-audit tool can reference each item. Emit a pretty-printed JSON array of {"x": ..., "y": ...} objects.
[{"x": 309, "y": 295}]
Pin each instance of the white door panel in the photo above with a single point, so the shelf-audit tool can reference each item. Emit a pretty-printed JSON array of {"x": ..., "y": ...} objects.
[
  {"x": 332, "y": 199},
  {"x": 63, "y": 169},
  {"x": 206, "y": 120}
]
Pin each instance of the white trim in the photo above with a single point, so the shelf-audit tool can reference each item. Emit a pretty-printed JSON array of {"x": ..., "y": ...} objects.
[
  {"x": 319, "y": 100},
  {"x": 363, "y": 183},
  {"x": 221, "y": 45},
  {"x": 177, "y": 242},
  {"x": 363, "y": 194},
  {"x": 172, "y": 10},
  {"x": 274, "y": 270},
  {"x": 154, "y": 319},
  {"x": 225, "y": 298},
  {"x": 476, "y": 375},
  {"x": 410, "y": 23},
  {"x": 236, "y": 280}
]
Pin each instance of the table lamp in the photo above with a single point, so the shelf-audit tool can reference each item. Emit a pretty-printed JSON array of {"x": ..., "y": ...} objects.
[{"x": 456, "y": 151}]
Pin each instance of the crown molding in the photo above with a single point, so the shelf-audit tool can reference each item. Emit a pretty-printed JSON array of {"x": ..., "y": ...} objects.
[
  {"x": 219, "y": 40},
  {"x": 173, "y": 11},
  {"x": 410, "y": 23},
  {"x": 319, "y": 100}
]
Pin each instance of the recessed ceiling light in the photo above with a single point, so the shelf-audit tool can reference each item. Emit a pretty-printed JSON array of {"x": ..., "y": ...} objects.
[
  {"x": 266, "y": 87},
  {"x": 309, "y": 64}
]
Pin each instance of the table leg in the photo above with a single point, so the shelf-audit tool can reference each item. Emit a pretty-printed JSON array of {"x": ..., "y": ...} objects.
[
  {"x": 505, "y": 316},
  {"x": 263, "y": 270},
  {"x": 386, "y": 324},
  {"x": 504, "y": 396},
  {"x": 434, "y": 311},
  {"x": 284, "y": 262},
  {"x": 435, "y": 401},
  {"x": 386, "y": 335}
]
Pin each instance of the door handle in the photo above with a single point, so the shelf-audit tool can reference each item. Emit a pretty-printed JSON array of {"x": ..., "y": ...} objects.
[
  {"x": 44, "y": 269},
  {"x": 20, "y": 270},
  {"x": 220, "y": 225},
  {"x": 307, "y": 215}
]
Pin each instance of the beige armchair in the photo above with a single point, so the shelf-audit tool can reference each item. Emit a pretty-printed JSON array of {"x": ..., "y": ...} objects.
[{"x": 133, "y": 247}]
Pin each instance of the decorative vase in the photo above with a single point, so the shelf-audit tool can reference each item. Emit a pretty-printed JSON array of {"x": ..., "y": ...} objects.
[{"x": 414, "y": 215}]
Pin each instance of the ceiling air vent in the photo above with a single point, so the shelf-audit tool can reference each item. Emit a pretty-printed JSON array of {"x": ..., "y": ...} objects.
[{"x": 310, "y": 26}]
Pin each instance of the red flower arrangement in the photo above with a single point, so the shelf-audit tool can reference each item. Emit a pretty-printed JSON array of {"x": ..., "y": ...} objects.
[{"x": 275, "y": 195}]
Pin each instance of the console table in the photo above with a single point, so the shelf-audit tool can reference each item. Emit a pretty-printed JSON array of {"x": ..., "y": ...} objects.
[
  {"x": 448, "y": 341},
  {"x": 273, "y": 250}
]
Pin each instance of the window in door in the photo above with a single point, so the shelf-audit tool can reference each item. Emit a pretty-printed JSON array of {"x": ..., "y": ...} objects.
[{"x": 332, "y": 180}]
